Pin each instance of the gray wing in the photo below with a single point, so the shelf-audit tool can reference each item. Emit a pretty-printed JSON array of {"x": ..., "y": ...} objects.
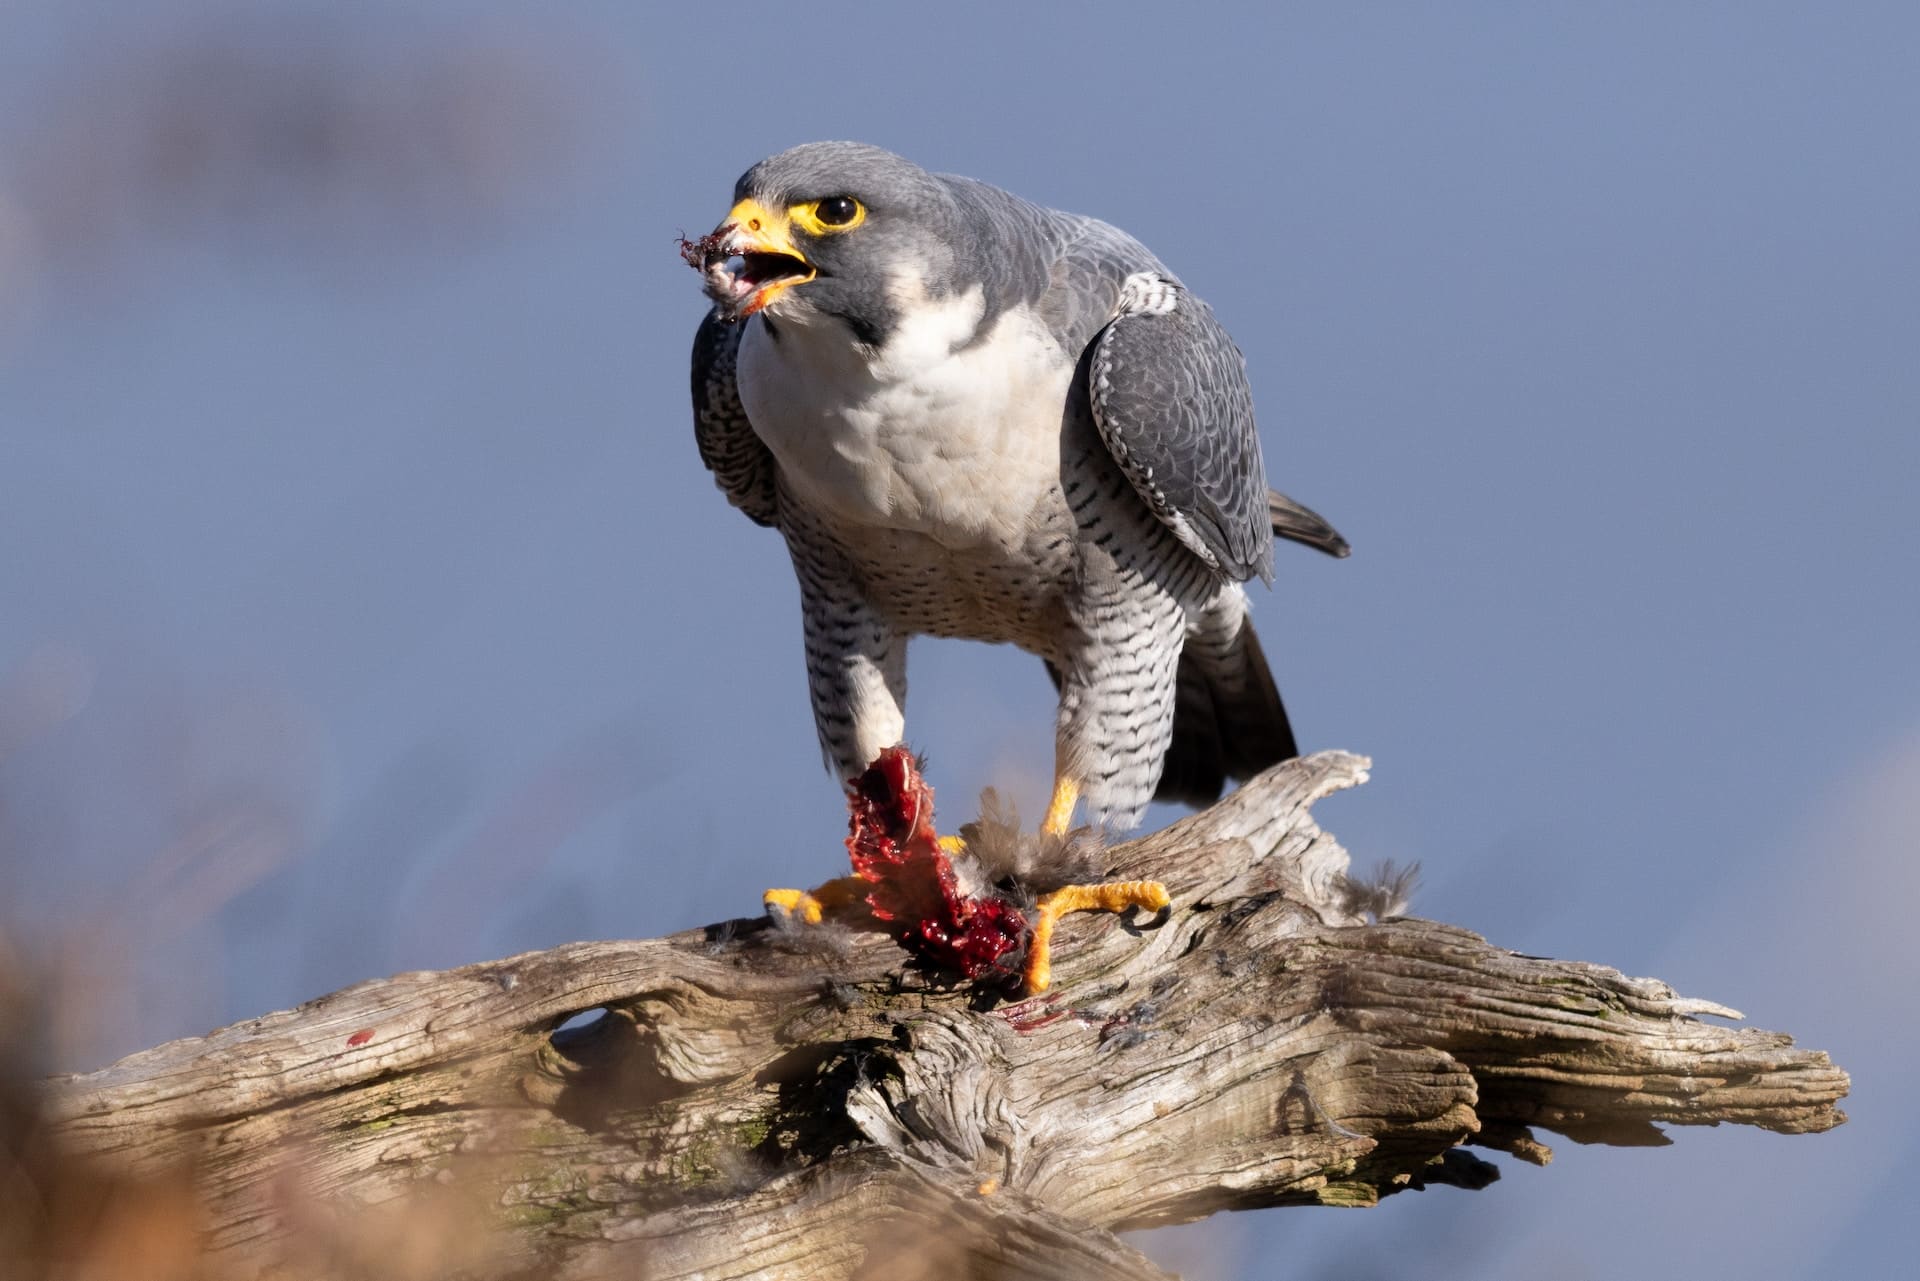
[
  {"x": 1169, "y": 394},
  {"x": 740, "y": 462},
  {"x": 1302, "y": 524}
]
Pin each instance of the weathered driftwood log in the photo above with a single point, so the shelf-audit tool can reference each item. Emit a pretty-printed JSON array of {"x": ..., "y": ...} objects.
[{"x": 760, "y": 1102}]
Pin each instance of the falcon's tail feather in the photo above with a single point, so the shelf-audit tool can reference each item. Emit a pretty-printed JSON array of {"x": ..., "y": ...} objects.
[
  {"x": 1302, "y": 524},
  {"x": 1228, "y": 721}
]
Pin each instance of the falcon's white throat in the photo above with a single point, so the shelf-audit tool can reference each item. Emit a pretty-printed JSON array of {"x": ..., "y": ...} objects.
[{"x": 934, "y": 433}]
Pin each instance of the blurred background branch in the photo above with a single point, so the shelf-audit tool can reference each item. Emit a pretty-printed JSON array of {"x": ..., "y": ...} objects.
[{"x": 307, "y": 130}]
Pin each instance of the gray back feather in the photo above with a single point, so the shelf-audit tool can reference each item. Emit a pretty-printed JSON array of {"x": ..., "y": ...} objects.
[{"x": 1170, "y": 397}]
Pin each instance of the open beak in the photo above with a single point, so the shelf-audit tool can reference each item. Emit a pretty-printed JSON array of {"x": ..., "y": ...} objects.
[{"x": 749, "y": 259}]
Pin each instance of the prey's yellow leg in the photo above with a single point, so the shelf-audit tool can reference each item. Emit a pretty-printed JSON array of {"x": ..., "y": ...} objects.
[
  {"x": 1115, "y": 896},
  {"x": 808, "y": 905}
]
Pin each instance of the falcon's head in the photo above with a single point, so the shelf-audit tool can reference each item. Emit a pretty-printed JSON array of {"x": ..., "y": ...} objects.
[{"x": 830, "y": 229}]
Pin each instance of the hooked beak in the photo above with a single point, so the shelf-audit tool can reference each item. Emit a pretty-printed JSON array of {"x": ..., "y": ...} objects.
[{"x": 748, "y": 260}]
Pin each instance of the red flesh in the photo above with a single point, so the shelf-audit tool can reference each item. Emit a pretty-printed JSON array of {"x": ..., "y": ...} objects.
[
  {"x": 894, "y": 849},
  {"x": 696, "y": 252}
]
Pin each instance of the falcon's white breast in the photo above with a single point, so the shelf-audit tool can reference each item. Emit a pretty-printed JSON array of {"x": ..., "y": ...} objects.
[{"x": 935, "y": 433}]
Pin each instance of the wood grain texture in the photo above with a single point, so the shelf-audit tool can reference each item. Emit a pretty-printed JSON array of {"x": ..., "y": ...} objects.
[{"x": 758, "y": 1102}]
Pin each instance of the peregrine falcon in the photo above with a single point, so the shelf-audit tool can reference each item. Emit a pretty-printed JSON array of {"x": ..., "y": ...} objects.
[{"x": 973, "y": 416}]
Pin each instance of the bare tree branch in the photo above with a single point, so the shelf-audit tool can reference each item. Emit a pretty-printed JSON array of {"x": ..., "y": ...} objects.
[{"x": 756, "y": 1102}]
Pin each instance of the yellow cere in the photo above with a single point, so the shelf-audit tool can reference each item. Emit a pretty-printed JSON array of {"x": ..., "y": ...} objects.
[{"x": 768, "y": 229}]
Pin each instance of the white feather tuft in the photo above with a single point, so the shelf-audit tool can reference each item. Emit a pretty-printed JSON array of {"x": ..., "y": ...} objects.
[{"x": 1385, "y": 892}]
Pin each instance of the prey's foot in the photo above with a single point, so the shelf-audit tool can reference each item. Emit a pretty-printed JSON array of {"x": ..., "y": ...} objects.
[
  {"x": 809, "y": 906},
  {"x": 1115, "y": 896}
]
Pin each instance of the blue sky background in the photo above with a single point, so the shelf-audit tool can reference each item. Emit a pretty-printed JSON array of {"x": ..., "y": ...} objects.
[{"x": 366, "y": 607}]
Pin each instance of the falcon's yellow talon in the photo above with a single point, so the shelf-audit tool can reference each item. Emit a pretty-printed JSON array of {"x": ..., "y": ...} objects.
[
  {"x": 1059, "y": 819},
  {"x": 1115, "y": 896},
  {"x": 953, "y": 845},
  {"x": 809, "y": 905},
  {"x": 793, "y": 903}
]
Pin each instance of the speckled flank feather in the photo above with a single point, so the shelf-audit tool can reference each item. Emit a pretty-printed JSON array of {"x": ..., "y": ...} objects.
[
  {"x": 991, "y": 420},
  {"x": 740, "y": 463}
]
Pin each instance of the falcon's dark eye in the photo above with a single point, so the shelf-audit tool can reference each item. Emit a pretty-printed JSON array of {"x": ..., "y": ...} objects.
[
  {"x": 829, "y": 216},
  {"x": 838, "y": 210}
]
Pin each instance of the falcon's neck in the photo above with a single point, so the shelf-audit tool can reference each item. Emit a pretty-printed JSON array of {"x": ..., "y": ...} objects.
[{"x": 915, "y": 332}]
